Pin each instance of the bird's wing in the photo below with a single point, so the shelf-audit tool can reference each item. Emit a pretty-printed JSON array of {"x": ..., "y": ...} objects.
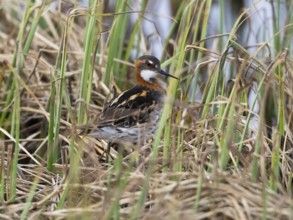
[{"x": 130, "y": 107}]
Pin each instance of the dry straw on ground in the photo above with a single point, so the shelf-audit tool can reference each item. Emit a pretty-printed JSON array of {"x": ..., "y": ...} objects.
[{"x": 200, "y": 190}]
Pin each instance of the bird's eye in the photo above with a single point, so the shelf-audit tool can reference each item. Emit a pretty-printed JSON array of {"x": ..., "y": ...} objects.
[{"x": 148, "y": 63}]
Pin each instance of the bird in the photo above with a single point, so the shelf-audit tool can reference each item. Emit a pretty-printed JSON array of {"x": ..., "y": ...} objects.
[{"x": 132, "y": 116}]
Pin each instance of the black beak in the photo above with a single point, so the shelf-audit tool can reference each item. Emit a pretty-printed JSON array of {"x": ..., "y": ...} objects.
[{"x": 167, "y": 74}]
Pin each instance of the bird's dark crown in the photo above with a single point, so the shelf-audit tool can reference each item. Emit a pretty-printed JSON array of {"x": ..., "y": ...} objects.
[{"x": 148, "y": 62}]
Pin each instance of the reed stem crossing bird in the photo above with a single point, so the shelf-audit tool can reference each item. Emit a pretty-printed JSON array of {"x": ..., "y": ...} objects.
[{"x": 132, "y": 116}]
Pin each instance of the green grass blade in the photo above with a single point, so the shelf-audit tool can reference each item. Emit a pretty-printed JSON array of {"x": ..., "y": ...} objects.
[
  {"x": 88, "y": 61},
  {"x": 115, "y": 42},
  {"x": 15, "y": 131}
]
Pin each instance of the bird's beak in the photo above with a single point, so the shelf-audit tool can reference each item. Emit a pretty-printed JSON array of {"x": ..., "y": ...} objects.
[{"x": 166, "y": 74}]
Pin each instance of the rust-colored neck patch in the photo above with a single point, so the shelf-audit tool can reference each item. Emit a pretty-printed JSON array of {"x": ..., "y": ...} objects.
[{"x": 140, "y": 81}]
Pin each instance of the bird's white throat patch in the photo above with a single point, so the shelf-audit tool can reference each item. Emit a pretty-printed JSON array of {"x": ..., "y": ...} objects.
[{"x": 148, "y": 74}]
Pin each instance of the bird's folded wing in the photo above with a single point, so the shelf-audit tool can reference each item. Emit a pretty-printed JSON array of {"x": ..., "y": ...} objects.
[
  {"x": 128, "y": 109},
  {"x": 124, "y": 117}
]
